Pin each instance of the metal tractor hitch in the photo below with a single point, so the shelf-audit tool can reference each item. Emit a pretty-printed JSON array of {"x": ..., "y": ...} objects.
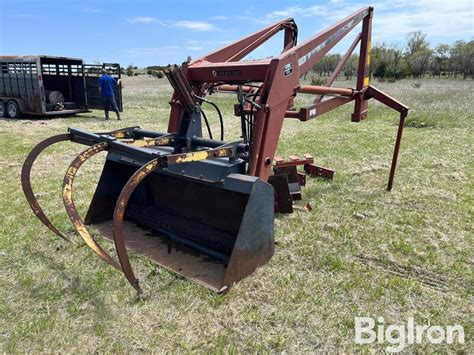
[{"x": 203, "y": 207}]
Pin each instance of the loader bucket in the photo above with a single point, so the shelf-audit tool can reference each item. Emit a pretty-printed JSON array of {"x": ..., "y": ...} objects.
[{"x": 212, "y": 233}]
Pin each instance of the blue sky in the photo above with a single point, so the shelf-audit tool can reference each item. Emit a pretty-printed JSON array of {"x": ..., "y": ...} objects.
[{"x": 161, "y": 32}]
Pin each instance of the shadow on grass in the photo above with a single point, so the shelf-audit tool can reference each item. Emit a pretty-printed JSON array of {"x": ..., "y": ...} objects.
[{"x": 66, "y": 287}]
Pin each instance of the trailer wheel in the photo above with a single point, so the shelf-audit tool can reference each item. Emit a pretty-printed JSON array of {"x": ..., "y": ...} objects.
[
  {"x": 13, "y": 110},
  {"x": 2, "y": 109}
]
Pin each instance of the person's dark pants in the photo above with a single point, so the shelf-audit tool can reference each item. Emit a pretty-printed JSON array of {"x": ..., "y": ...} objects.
[{"x": 110, "y": 103}]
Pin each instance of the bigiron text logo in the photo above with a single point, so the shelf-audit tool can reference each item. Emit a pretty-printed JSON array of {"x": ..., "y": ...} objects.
[{"x": 401, "y": 335}]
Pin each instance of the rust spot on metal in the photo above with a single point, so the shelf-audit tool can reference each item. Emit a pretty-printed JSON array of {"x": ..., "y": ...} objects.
[
  {"x": 319, "y": 171},
  {"x": 199, "y": 155},
  {"x": 26, "y": 180},
  {"x": 148, "y": 142},
  {"x": 119, "y": 212},
  {"x": 71, "y": 210}
]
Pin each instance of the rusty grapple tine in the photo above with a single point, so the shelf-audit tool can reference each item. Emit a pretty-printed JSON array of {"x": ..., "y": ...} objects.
[
  {"x": 26, "y": 180},
  {"x": 119, "y": 213},
  {"x": 71, "y": 209}
]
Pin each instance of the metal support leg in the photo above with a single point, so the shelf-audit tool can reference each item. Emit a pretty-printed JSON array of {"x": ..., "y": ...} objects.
[{"x": 395, "y": 150}]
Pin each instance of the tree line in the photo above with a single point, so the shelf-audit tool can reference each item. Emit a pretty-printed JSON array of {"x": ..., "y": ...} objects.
[{"x": 413, "y": 59}]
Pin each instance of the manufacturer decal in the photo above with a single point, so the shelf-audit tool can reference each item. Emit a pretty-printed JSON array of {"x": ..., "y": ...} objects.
[
  {"x": 287, "y": 69},
  {"x": 226, "y": 72}
]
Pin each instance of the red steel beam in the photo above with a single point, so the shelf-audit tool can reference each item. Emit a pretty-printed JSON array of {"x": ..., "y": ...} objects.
[
  {"x": 312, "y": 111},
  {"x": 276, "y": 94},
  {"x": 235, "y": 51},
  {"x": 244, "y": 46},
  {"x": 233, "y": 88},
  {"x": 363, "y": 72},
  {"x": 323, "y": 90},
  {"x": 311, "y": 51},
  {"x": 292, "y": 114},
  {"x": 373, "y": 92},
  {"x": 331, "y": 104}
]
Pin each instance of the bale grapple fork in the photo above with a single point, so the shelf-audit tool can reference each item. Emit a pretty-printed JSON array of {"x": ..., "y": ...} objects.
[{"x": 203, "y": 207}]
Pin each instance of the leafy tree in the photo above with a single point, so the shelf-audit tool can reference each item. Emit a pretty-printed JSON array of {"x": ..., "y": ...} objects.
[
  {"x": 418, "y": 54},
  {"x": 416, "y": 41},
  {"x": 129, "y": 71},
  {"x": 381, "y": 70},
  {"x": 462, "y": 56},
  {"x": 387, "y": 61},
  {"x": 156, "y": 67},
  {"x": 418, "y": 62},
  {"x": 440, "y": 59},
  {"x": 350, "y": 68},
  {"x": 327, "y": 64}
]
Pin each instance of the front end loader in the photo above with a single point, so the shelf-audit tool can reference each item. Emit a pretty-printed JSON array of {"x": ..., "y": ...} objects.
[{"x": 205, "y": 207}]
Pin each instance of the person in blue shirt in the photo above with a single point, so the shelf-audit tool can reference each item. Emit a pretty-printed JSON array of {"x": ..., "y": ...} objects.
[{"x": 107, "y": 85}]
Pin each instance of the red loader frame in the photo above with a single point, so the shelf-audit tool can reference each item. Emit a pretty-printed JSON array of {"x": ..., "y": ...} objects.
[{"x": 275, "y": 82}]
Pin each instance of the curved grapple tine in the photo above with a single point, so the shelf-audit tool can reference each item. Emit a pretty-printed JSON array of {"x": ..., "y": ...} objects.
[
  {"x": 26, "y": 180},
  {"x": 119, "y": 212},
  {"x": 71, "y": 210}
]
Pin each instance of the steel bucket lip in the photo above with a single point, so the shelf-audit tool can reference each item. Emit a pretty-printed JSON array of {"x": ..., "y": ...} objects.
[{"x": 181, "y": 260}]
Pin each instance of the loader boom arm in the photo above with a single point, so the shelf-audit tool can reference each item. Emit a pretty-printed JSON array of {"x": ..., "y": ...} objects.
[
  {"x": 276, "y": 81},
  {"x": 312, "y": 50}
]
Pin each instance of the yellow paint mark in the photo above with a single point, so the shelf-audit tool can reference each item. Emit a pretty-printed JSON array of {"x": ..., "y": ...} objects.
[
  {"x": 163, "y": 141},
  {"x": 366, "y": 81},
  {"x": 194, "y": 156},
  {"x": 151, "y": 166},
  {"x": 149, "y": 142},
  {"x": 126, "y": 140},
  {"x": 369, "y": 45},
  {"x": 143, "y": 143},
  {"x": 221, "y": 153},
  {"x": 67, "y": 191},
  {"x": 71, "y": 171},
  {"x": 119, "y": 134}
]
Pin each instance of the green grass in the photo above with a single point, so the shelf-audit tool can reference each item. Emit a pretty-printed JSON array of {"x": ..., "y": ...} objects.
[{"x": 361, "y": 251}]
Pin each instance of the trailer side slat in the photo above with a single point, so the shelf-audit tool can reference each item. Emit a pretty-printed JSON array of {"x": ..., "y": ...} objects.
[{"x": 28, "y": 77}]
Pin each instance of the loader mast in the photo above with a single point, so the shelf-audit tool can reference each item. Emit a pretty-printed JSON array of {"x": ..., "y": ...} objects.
[{"x": 276, "y": 81}]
